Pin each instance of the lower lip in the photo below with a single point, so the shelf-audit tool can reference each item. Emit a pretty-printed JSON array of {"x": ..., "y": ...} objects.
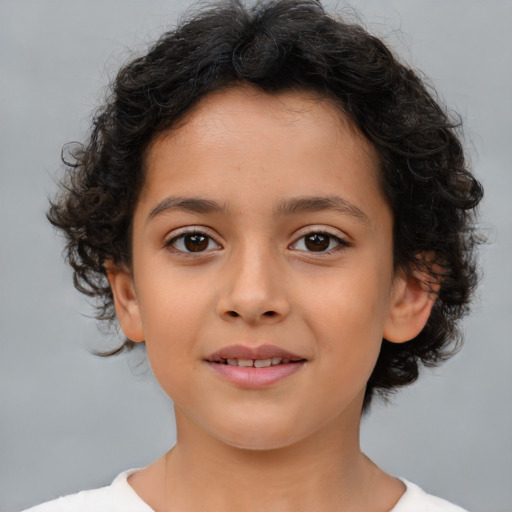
[{"x": 253, "y": 378}]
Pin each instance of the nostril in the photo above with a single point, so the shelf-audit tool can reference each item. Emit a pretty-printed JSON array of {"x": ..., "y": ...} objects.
[{"x": 266, "y": 314}]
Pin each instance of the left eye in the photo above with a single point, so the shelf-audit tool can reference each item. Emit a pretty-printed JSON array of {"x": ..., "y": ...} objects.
[
  {"x": 318, "y": 242},
  {"x": 193, "y": 242}
]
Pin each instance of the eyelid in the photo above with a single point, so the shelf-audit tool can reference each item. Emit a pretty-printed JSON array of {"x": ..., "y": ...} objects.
[
  {"x": 177, "y": 233},
  {"x": 342, "y": 238},
  {"x": 321, "y": 228},
  {"x": 338, "y": 235}
]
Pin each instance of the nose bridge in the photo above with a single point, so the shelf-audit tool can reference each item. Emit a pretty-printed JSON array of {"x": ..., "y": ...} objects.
[{"x": 255, "y": 285}]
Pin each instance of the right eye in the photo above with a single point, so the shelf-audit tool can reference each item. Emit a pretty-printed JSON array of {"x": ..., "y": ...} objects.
[{"x": 192, "y": 242}]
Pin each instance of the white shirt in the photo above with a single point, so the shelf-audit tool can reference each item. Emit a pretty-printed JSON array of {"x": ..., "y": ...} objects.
[{"x": 120, "y": 497}]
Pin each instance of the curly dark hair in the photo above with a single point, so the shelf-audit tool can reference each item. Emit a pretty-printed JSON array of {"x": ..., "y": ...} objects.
[{"x": 277, "y": 46}]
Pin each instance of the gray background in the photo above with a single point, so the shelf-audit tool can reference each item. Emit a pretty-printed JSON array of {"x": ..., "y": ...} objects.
[{"x": 71, "y": 420}]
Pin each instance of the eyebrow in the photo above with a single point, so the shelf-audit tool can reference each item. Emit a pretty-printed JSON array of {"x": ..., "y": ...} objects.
[
  {"x": 321, "y": 203},
  {"x": 187, "y": 204},
  {"x": 291, "y": 206}
]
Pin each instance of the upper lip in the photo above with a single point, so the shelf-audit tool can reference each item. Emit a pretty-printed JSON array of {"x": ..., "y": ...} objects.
[{"x": 245, "y": 352}]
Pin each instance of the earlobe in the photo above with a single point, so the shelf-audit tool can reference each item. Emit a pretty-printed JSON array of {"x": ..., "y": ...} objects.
[
  {"x": 125, "y": 301},
  {"x": 410, "y": 308}
]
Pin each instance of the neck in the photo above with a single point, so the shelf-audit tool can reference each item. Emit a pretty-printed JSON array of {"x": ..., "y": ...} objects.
[
  {"x": 266, "y": 478},
  {"x": 326, "y": 471}
]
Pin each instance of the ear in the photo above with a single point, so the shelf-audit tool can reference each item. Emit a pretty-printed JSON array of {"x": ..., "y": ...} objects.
[
  {"x": 411, "y": 304},
  {"x": 125, "y": 301}
]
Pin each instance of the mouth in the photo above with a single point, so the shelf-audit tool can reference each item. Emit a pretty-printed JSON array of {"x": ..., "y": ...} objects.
[
  {"x": 256, "y": 357},
  {"x": 252, "y": 368},
  {"x": 257, "y": 363}
]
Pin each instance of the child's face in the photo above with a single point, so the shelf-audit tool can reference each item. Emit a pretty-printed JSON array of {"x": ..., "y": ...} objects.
[{"x": 261, "y": 222}]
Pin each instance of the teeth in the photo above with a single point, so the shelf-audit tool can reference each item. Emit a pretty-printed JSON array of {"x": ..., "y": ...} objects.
[
  {"x": 257, "y": 363},
  {"x": 262, "y": 363}
]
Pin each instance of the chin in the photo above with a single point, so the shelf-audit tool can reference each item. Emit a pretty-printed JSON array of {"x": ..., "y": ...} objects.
[
  {"x": 259, "y": 437},
  {"x": 260, "y": 445}
]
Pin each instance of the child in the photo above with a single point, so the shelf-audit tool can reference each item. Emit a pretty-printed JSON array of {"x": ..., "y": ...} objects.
[{"x": 281, "y": 212}]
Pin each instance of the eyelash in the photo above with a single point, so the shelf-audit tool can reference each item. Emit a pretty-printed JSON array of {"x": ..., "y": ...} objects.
[
  {"x": 341, "y": 243},
  {"x": 170, "y": 243}
]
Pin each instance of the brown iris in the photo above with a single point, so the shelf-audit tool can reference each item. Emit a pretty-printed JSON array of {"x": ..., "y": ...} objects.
[
  {"x": 317, "y": 242},
  {"x": 195, "y": 242}
]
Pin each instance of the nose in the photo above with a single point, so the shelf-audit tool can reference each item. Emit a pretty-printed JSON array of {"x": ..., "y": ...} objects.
[{"x": 253, "y": 289}]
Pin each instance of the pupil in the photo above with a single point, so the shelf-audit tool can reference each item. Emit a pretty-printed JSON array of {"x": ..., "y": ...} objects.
[
  {"x": 196, "y": 243},
  {"x": 317, "y": 242}
]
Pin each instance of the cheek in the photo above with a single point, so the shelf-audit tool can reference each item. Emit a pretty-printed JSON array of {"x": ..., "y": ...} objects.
[
  {"x": 349, "y": 301},
  {"x": 173, "y": 310},
  {"x": 172, "y": 304},
  {"x": 348, "y": 319}
]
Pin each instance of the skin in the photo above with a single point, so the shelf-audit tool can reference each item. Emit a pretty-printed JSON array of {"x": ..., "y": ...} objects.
[{"x": 294, "y": 444}]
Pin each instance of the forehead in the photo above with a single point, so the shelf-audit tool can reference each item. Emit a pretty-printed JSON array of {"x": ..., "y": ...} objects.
[
  {"x": 255, "y": 144},
  {"x": 238, "y": 110}
]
